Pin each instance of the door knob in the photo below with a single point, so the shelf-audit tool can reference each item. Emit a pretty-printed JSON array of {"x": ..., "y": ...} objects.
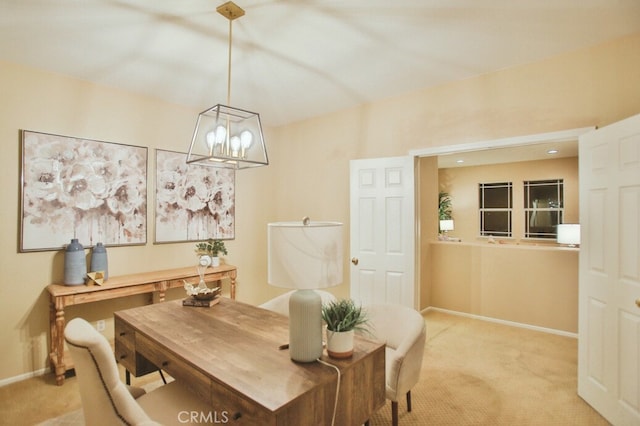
[
  {"x": 638, "y": 303},
  {"x": 354, "y": 260}
]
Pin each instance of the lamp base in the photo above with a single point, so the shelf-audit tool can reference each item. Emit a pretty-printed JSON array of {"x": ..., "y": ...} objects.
[{"x": 305, "y": 326}]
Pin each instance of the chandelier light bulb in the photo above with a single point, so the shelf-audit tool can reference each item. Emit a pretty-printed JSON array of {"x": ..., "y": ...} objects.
[
  {"x": 211, "y": 139},
  {"x": 235, "y": 145},
  {"x": 246, "y": 137},
  {"x": 221, "y": 134}
]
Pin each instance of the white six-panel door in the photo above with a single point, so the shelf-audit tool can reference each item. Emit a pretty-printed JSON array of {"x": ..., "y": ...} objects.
[
  {"x": 383, "y": 227},
  {"x": 609, "y": 299}
]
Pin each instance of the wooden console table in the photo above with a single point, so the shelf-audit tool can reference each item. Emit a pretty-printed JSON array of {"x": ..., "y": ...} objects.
[{"x": 116, "y": 287}]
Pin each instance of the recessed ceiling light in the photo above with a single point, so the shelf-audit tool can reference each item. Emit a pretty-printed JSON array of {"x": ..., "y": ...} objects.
[
  {"x": 552, "y": 151},
  {"x": 459, "y": 161}
]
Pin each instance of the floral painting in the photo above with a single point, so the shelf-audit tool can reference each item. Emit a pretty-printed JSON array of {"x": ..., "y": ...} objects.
[
  {"x": 79, "y": 188},
  {"x": 193, "y": 202}
]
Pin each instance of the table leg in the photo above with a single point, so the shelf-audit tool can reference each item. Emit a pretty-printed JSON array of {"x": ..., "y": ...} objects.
[
  {"x": 232, "y": 277},
  {"x": 163, "y": 291},
  {"x": 57, "y": 324}
]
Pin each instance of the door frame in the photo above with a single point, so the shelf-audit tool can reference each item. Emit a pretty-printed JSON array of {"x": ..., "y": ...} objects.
[{"x": 559, "y": 137}]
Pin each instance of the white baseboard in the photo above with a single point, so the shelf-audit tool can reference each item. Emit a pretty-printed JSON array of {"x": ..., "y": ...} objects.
[
  {"x": 505, "y": 322},
  {"x": 25, "y": 376}
]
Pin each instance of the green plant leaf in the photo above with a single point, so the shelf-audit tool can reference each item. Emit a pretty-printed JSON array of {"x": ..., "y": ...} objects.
[{"x": 344, "y": 315}]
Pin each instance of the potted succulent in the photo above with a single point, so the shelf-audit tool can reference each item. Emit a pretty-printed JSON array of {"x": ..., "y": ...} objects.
[
  {"x": 342, "y": 318},
  {"x": 211, "y": 249}
]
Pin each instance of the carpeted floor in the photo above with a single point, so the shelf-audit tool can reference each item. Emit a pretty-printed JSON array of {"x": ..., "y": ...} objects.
[
  {"x": 481, "y": 373},
  {"x": 474, "y": 373}
]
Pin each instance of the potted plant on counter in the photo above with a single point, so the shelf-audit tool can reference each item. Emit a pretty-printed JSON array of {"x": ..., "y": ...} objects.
[
  {"x": 342, "y": 317},
  {"x": 211, "y": 249}
]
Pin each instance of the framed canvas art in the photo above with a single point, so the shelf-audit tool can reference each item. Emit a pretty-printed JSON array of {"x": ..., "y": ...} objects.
[
  {"x": 193, "y": 202},
  {"x": 80, "y": 188}
]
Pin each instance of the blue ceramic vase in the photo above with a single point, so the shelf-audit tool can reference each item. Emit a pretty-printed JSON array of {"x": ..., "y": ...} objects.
[
  {"x": 99, "y": 260},
  {"x": 75, "y": 264}
]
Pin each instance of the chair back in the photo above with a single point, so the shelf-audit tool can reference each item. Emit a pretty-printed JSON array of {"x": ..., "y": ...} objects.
[
  {"x": 280, "y": 304},
  {"x": 105, "y": 399},
  {"x": 404, "y": 332}
]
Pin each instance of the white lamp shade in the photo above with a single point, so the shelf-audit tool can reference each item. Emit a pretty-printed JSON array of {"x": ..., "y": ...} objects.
[
  {"x": 305, "y": 256},
  {"x": 446, "y": 225},
  {"x": 569, "y": 233}
]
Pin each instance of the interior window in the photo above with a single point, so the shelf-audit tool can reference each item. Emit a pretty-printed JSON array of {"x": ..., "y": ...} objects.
[
  {"x": 543, "y": 207},
  {"x": 496, "y": 204}
]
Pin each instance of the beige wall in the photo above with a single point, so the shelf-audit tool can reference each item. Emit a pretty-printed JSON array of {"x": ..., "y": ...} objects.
[
  {"x": 50, "y": 103},
  {"x": 309, "y": 173},
  {"x": 462, "y": 185},
  {"x": 530, "y": 285}
]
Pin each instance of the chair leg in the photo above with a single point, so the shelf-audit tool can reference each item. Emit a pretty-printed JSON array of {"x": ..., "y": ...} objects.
[
  {"x": 409, "y": 401},
  {"x": 394, "y": 413},
  {"x": 162, "y": 375}
]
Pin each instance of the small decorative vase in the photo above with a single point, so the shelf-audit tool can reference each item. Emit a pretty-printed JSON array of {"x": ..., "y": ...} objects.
[
  {"x": 75, "y": 264},
  {"x": 215, "y": 261},
  {"x": 99, "y": 260},
  {"x": 340, "y": 343}
]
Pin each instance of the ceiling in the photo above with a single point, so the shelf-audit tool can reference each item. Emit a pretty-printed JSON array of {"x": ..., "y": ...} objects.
[
  {"x": 512, "y": 154},
  {"x": 292, "y": 60}
]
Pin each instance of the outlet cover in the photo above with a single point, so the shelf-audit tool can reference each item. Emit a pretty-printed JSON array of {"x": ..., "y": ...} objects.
[{"x": 100, "y": 325}]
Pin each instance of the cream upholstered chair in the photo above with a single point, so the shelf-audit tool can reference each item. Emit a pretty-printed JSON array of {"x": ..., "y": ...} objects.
[
  {"x": 403, "y": 330},
  {"x": 280, "y": 304},
  {"x": 107, "y": 401}
]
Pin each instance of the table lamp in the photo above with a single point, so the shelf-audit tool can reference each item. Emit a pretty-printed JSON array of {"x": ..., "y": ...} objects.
[
  {"x": 305, "y": 256},
  {"x": 569, "y": 234},
  {"x": 446, "y": 225}
]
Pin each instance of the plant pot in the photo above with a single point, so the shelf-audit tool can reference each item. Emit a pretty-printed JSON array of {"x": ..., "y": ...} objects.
[
  {"x": 215, "y": 261},
  {"x": 340, "y": 344},
  {"x": 204, "y": 260}
]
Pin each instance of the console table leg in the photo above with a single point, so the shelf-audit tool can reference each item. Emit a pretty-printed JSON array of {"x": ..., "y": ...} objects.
[
  {"x": 232, "y": 278},
  {"x": 57, "y": 340},
  {"x": 163, "y": 291}
]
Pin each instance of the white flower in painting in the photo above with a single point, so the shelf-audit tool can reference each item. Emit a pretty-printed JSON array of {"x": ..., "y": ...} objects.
[
  {"x": 43, "y": 179},
  {"x": 51, "y": 149},
  {"x": 169, "y": 187},
  {"x": 126, "y": 199},
  {"x": 197, "y": 190},
  {"x": 79, "y": 182}
]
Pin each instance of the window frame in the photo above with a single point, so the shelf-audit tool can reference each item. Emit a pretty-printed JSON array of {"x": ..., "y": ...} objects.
[
  {"x": 557, "y": 210},
  {"x": 483, "y": 211}
]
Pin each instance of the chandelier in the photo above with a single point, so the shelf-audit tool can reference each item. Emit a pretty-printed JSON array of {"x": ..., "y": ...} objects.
[{"x": 225, "y": 136}]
